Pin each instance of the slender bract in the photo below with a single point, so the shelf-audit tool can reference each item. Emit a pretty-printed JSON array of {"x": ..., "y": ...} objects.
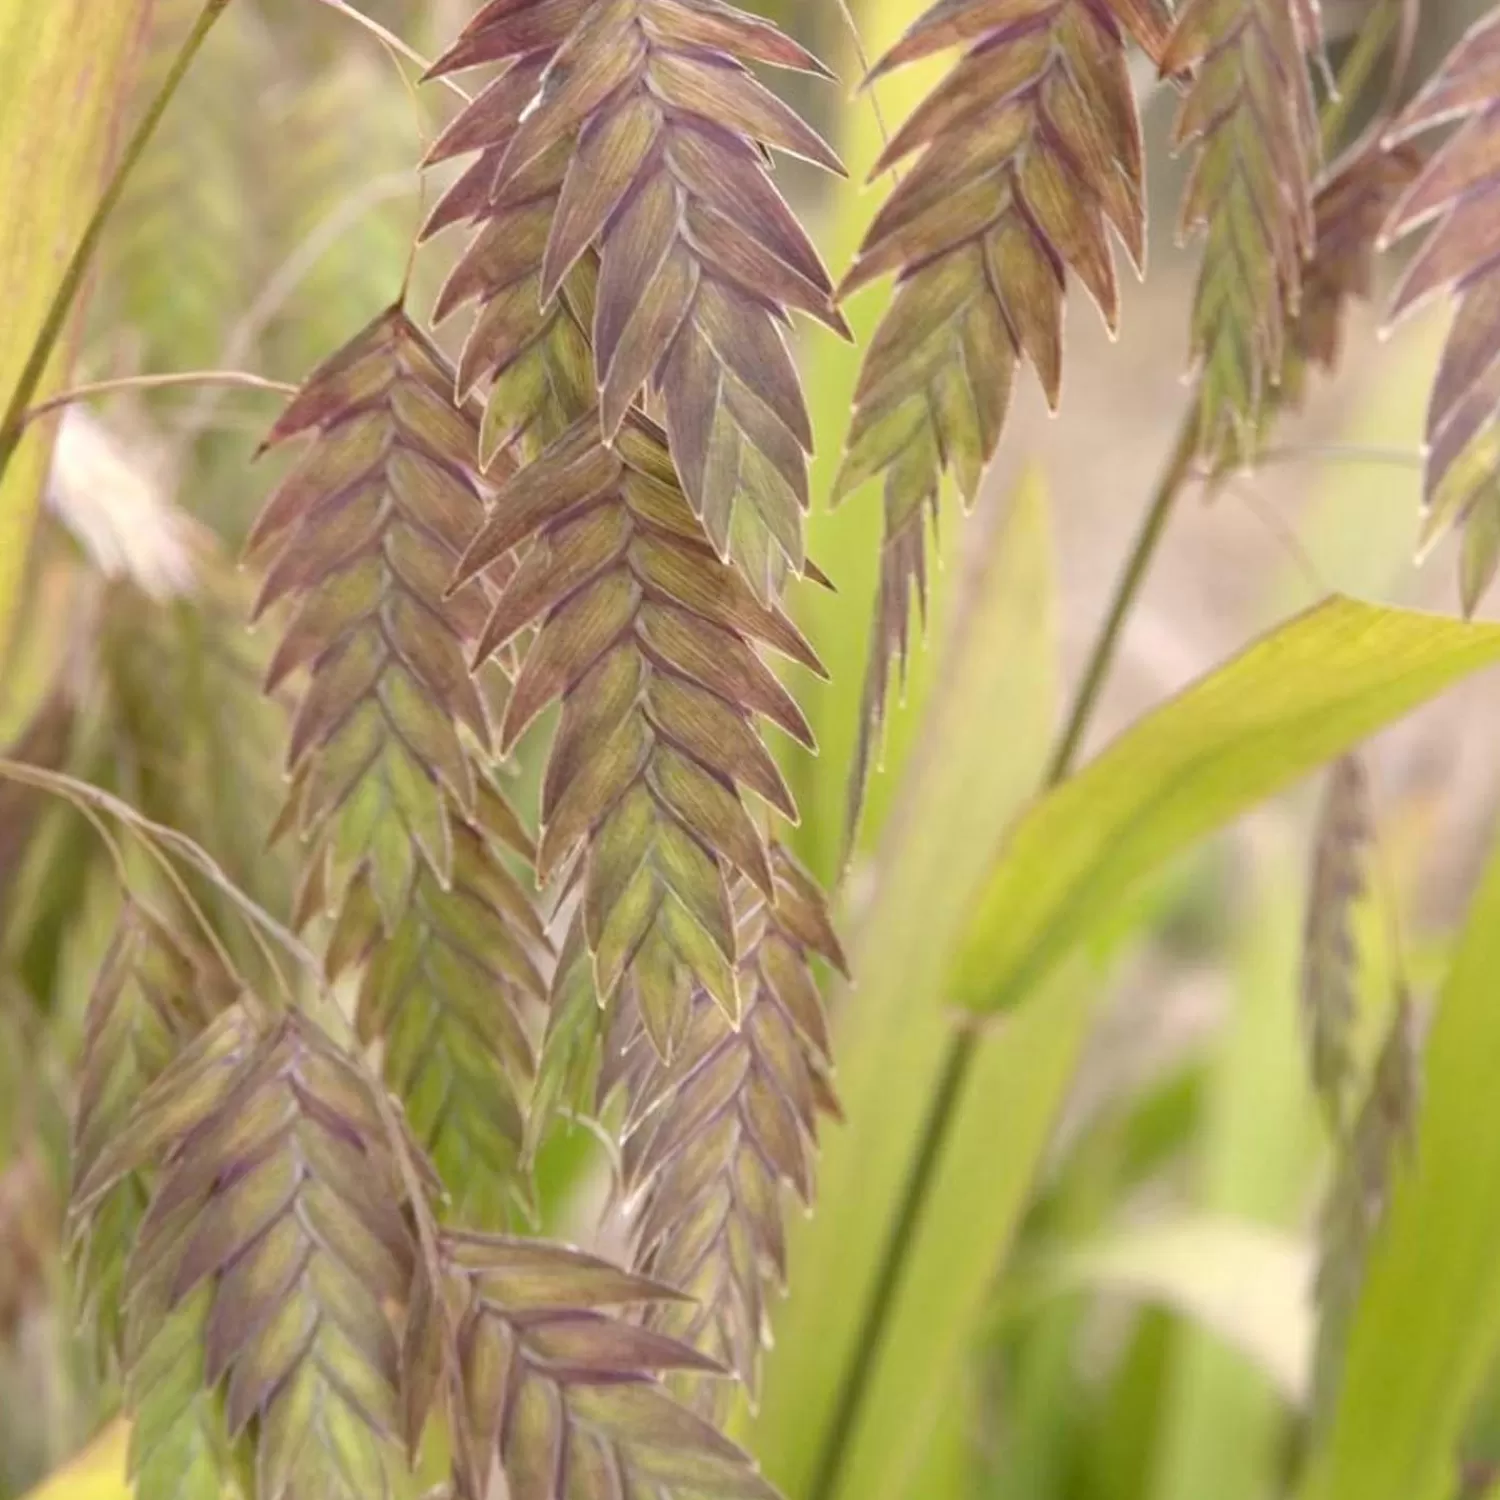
[
  {"x": 406, "y": 837},
  {"x": 1027, "y": 159},
  {"x": 1455, "y": 189},
  {"x": 1248, "y": 112},
  {"x": 652, "y": 645}
]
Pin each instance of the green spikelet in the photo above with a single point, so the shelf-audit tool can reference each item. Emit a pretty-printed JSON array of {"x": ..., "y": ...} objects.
[
  {"x": 535, "y": 351},
  {"x": 651, "y": 644},
  {"x": 152, "y": 996},
  {"x": 272, "y": 1256},
  {"x": 1025, "y": 161},
  {"x": 1249, "y": 113},
  {"x": 464, "y": 1066},
  {"x": 648, "y": 141},
  {"x": 1356, "y": 1203},
  {"x": 1340, "y": 849},
  {"x": 538, "y": 1374},
  {"x": 403, "y": 830},
  {"x": 1351, "y": 204},
  {"x": 716, "y": 1138},
  {"x": 180, "y": 1446}
]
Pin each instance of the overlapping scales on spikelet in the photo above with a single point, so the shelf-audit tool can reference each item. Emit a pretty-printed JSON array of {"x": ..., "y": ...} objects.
[
  {"x": 1457, "y": 188},
  {"x": 1249, "y": 113},
  {"x": 534, "y": 349},
  {"x": 570, "y": 1060},
  {"x": 1349, "y": 208},
  {"x": 1356, "y": 1203},
  {"x": 404, "y": 832},
  {"x": 180, "y": 1448},
  {"x": 463, "y": 1065},
  {"x": 1341, "y": 843},
  {"x": 555, "y": 1386},
  {"x": 652, "y": 646},
  {"x": 153, "y": 994},
  {"x": 641, "y": 131},
  {"x": 275, "y": 1249},
  {"x": 1027, "y": 154},
  {"x": 716, "y": 1138},
  {"x": 1351, "y": 204}
]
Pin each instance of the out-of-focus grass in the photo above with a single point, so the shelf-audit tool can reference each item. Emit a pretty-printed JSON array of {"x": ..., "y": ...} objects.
[
  {"x": 990, "y": 717},
  {"x": 64, "y": 69}
]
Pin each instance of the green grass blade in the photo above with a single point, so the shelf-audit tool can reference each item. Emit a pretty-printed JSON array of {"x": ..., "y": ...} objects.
[
  {"x": 1295, "y": 698},
  {"x": 1244, "y": 1283},
  {"x": 1427, "y": 1327},
  {"x": 983, "y": 745},
  {"x": 1222, "y": 1424},
  {"x": 63, "y": 67}
]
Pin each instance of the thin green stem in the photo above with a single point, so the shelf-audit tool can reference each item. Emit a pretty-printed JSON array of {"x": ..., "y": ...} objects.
[
  {"x": 14, "y": 422},
  {"x": 1174, "y": 476},
  {"x": 963, "y": 1047},
  {"x": 1358, "y": 69},
  {"x": 239, "y": 379}
]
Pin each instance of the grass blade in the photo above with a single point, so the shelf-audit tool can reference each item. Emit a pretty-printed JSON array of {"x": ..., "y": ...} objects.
[
  {"x": 50, "y": 170},
  {"x": 1294, "y": 699},
  {"x": 1427, "y": 1326},
  {"x": 999, "y": 688}
]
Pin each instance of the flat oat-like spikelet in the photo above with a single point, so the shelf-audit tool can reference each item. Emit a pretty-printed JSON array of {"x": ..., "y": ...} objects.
[
  {"x": 153, "y": 994},
  {"x": 535, "y": 350},
  {"x": 651, "y": 644},
  {"x": 180, "y": 1447},
  {"x": 662, "y": 136},
  {"x": 276, "y": 1245},
  {"x": 1340, "y": 847},
  {"x": 1027, "y": 154},
  {"x": 463, "y": 1066},
  {"x": 1249, "y": 113},
  {"x": 1361, "y": 1189},
  {"x": 1456, "y": 188},
  {"x": 405, "y": 834},
  {"x": 716, "y": 1138},
  {"x": 549, "y": 1381},
  {"x": 1351, "y": 204}
]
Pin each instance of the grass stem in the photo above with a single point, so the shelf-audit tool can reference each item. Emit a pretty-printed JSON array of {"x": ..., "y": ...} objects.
[{"x": 963, "y": 1047}]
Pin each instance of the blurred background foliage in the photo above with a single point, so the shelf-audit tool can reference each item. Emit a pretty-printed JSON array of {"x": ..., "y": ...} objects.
[{"x": 1151, "y": 1331}]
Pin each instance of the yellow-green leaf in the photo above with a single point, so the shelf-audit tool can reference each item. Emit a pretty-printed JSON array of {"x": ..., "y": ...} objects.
[
  {"x": 62, "y": 67},
  {"x": 1245, "y": 1282},
  {"x": 97, "y": 1473},
  {"x": 1295, "y": 698}
]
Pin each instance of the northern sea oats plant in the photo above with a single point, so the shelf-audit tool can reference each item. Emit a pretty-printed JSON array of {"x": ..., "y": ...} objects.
[{"x": 531, "y": 557}]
